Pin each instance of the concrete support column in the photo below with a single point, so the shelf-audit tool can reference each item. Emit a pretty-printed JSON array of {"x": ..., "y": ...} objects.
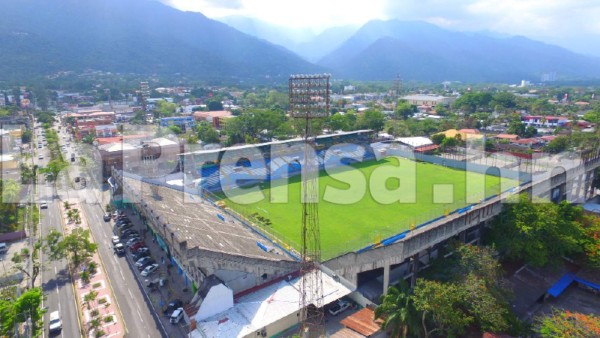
[
  {"x": 386, "y": 278},
  {"x": 414, "y": 269},
  {"x": 463, "y": 236}
]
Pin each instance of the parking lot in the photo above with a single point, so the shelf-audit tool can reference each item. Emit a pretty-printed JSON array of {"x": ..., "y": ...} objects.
[{"x": 152, "y": 270}]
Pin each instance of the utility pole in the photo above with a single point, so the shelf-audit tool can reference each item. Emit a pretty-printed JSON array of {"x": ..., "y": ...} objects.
[{"x": 309, "y": 100}]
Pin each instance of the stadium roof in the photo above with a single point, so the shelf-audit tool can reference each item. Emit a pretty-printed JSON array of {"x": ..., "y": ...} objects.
[
  {"x": 199, "y": 223},
  {"x": 247, "y": 146},
  {"x": 257, "y": 310}
]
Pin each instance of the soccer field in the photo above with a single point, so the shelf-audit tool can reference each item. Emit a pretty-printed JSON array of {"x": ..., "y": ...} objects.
[{"x": 369, "y": 204}]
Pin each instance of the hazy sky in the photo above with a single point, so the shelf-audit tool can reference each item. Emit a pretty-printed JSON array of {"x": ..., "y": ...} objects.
[{"x": 574, "y": 24}]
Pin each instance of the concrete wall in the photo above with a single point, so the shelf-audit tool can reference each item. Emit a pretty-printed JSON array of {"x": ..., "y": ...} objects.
[
  {"x": 218, "y": 299},
  {"x": 278, "y": 326},
  {"x": 350, "y": 264},
  {"x": 228, "y": 267}
]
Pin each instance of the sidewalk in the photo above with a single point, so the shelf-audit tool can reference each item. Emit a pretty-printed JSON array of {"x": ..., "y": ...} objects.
[
  {"x": 175, "y": 287},
  {"x": 100, "y": 314}
]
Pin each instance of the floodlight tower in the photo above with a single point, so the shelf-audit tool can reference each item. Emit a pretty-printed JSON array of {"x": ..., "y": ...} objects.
[{"x": 309, "y": 100}]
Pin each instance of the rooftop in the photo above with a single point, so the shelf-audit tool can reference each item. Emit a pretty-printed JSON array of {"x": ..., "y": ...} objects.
[
  {"x": 257, "y": 310},
  {"x": 191, "y": 219}
]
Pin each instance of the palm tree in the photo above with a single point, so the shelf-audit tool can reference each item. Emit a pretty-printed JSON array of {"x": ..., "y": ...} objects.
[{"x": 398, "y": 312}]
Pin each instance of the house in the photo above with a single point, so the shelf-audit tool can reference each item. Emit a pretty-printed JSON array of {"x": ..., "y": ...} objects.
[
  {"x": 216, "y": 118},
  {"x": 544, "y": 121},
  {"x": 507, "y": 137}
]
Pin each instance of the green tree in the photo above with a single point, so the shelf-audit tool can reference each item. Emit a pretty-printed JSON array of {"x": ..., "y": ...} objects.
[
  {"x": 338, "y": 121},
  {"x": 438, "y": 138},
  {"x": 214, "y": 105},
  {"x": 88, "y": 139},
  {"x": 372, "y": 119},
  {"x": 76, "y": 246},
  {"x": 53, "y": 168},
  {"x": 559, "y": 144},
  {"x": 441, "y": 306},
  {"x": 206, "y": 132},
  {"x": 538, "y": 232},
  {"x": 26, "y": 136},
  {"x": 165, "y": 109},
  {"x": 28, "y": 306},
  {"x": 400, "y": 317},
  {"x": 176, "y": 130},
  {"x": 403, "y": 110},
  {"x": 504, "y": 100}
]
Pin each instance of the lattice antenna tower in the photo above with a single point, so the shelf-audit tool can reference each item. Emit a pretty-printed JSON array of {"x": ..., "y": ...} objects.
[
  {"x": 144, "y": 94},
  {"x": 397, "y": 86},
  {"x": 309, "y": 100}
]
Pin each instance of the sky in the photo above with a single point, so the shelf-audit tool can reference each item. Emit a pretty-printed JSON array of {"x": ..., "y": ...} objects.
[{"x": 574, "y": 24}]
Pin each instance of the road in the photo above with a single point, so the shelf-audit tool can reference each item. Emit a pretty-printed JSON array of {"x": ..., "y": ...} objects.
[
  {"x": 137, "y": 314},
  {"x": 55, "y": 278}
]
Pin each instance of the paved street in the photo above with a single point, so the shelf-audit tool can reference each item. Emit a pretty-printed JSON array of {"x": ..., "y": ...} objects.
[
  {"x": 55, "y": 278},
  {"x": 138, "y": 317}
]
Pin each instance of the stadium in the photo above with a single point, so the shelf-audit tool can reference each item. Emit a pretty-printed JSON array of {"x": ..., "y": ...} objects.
[{"x": 369, "y": 192}]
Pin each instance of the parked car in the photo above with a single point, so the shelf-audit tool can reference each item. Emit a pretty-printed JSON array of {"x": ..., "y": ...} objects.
[
  {"x": 44, "y": 205},
  {"x": 142, "y": 249},
  {"x": 106, "y": 217},
  {"x": 172, "y": 306},
  {"x": 132, "y": 241},
  {"x": 115, "y": 240},
  {"x": 125, "y": 227},
  {"x": 139, "y": 255},
  {"x": 121, "y": 224},
  {"x": 134, "y": 247},
  {"x": 339, "y": 307},
  {"x": 149, "y": 269},
  {"x": 176, "y": 316},
  {"x": 127, "y": 232},
  {"x": 55, "y": 324},
  {"x": 146, "y": 264},
  {"x": 119, "y": 249},
  {"x": 141, "y": 261}
]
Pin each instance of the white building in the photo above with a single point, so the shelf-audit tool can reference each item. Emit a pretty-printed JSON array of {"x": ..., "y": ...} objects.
[
  {"x": 265, "y": 312},
  {"x": 428, "y": 100}
]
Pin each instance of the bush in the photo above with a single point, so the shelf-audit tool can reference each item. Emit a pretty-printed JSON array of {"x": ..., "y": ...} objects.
[
  {"x": 97, "y": 285},
  {"x": 108, "y": 319},
  {"x": 93, "y": 268},
  {"x": 94, "y": 312},
  {"x": 102, "y": 300},
  {"x": 85, "y": 277}
]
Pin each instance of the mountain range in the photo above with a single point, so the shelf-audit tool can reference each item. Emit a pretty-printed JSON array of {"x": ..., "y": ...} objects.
[
  {"x": 145, "y": 37},
  {"x": 133, "y": 36}
]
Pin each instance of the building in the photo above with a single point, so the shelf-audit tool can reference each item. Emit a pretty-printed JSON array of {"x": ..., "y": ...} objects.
[
  {"x": 218, "y": 119},
  {"x": 266, "y": 311},
  {"x": 428, "y": 100},
  {"x": 463, "y": 133},
  {"x": 184, "y": 122},
  {"x": 417, "y": 144},
  {"x": 545, "y": 121},
  {"x": 128, "y": 152}
]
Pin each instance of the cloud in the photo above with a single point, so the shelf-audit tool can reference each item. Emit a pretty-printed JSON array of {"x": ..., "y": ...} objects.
[{"x": 567, "y": 22}]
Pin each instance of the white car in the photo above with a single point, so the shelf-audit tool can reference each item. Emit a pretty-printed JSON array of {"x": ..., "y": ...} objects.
[
  {"x": 115, "y": 239},
  {"x": 149, "y": 269},
  {"x": 55, "y": 324},
  {"x": 43, "y": 205},
  {"x": 176, "y": 316},
  {"x": 339, "y": 307}
]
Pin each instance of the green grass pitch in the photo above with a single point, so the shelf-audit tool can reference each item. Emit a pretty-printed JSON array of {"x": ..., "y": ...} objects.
[{"x": 350, "y": 219}]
